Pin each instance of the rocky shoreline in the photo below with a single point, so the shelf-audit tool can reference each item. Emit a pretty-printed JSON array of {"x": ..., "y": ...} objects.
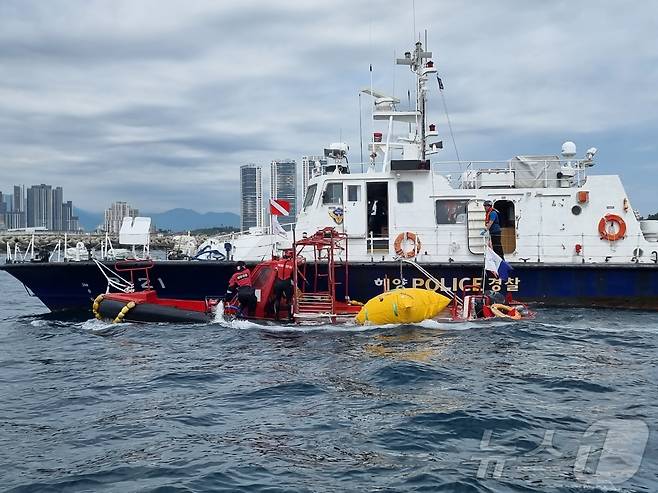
[{"x": 48, "y": 241}]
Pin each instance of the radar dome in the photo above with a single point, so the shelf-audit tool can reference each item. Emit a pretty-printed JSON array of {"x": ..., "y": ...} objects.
[{"x": 568, "y": 149}]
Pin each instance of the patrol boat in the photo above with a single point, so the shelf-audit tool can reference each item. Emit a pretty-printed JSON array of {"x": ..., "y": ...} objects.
[{"x": 572, "y": 237}]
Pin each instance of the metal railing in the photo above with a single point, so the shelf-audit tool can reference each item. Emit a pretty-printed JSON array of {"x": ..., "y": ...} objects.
[{"x": 465, "y": 174}]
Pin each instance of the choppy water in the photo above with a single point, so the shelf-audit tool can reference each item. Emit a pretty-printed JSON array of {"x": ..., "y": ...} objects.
[{"x": 564, "y": 403}]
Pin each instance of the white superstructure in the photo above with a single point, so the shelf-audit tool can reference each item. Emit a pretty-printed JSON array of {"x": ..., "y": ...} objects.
[{"x": 552, "y": 211}]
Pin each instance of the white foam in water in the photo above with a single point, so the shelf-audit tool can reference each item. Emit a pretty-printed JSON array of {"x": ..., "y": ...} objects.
[
  {"x": 97, "y": 326},
  {"x": 243, "y": 324},
  {"x": 219, "y": 319}
]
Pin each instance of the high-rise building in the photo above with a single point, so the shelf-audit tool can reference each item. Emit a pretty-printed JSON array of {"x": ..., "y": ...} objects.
[
  {"x": 58, "y": 200},
  {"x": 40, "y": 206},
  {"x": 3, "y": 212},
  {"x": 16, "y": 216},
  {"x": 69, "y": 221},
  {"x": 283, "y": 185},
  {"x": 309, "y": 163},
  {"x": 115, "y": 214},
  {"x": 251, "y": 196},
  {"x": 18, "y": 199}
]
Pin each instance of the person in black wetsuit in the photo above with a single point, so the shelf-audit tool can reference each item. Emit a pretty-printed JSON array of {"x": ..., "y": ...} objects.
[
  {"x": 283, "y": 286},
  {"x": 240, "y": 283}
]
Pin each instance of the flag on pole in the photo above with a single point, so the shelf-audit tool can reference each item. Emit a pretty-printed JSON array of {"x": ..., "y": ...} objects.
[
  {"x": 277, "y": 229},
  {"x": 279, "y": 207},
  {"x": 495, "y": 264}
]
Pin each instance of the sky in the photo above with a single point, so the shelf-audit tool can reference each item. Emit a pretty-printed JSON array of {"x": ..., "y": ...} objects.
[{"x": 159, "y": 102}]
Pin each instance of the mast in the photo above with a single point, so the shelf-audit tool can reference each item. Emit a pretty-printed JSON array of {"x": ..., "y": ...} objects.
[{"x": 416, "y": 62}]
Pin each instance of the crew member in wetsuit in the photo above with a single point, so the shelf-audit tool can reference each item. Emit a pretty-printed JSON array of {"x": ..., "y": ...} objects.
[
  {"x": 283, "y": 286},
  {"x": 492, "y": 223},
  {"x": 241, "y": 282}
]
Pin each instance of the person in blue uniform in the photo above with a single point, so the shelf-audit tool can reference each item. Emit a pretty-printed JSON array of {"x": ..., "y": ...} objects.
[{"x": 492, "y": 223}]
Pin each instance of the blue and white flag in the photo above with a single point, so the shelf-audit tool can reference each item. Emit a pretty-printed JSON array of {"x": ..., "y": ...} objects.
[{"x": 495, "y": 264}]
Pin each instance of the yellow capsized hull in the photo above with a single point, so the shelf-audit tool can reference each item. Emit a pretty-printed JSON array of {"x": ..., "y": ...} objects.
[{"x": 402, "y": 306}]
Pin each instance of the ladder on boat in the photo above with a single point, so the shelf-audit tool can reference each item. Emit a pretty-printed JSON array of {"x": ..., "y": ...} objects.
[
  {"x": 314, "y": 306},
  {"x": 475, "y": 222}
]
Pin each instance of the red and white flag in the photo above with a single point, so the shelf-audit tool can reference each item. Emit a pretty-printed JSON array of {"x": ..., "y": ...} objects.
[{"x": 279, "y": 207}]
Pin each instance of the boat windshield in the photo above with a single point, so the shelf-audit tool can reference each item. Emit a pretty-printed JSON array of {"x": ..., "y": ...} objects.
[{"x": 310, "y": 195}]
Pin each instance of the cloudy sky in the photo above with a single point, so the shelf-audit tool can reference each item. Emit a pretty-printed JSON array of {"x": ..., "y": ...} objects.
[{"x": 159, "y": 102}]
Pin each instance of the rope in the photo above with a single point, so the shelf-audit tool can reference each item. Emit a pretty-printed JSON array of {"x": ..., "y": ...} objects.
[{"x": 445, "y": 108}]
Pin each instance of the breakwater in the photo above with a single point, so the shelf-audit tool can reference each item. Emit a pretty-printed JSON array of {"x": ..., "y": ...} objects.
[{"x": 49, "y": 240}]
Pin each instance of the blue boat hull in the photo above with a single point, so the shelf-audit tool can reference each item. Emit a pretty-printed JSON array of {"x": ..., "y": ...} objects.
[{"x": 73, "y": 285}]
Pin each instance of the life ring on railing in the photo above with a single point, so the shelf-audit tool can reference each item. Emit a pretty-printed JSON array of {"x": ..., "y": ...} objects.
[
  {"x": 399, "y": 251},
  {"x": 603, "y": 230},
  {"x": 504, "y": 311}
]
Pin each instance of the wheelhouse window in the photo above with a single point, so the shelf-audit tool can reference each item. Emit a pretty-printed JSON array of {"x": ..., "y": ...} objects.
[
  {"x": 450, "y": 211},
  {"x": 333, "y": 194},
  {"x": 405, "y": 192},
  {"x": 310, "y": 195},
  {"x": 353, "y": 193}
]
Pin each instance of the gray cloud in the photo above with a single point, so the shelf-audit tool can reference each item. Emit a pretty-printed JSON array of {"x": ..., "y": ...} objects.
[{"x": 160, "y": 102}]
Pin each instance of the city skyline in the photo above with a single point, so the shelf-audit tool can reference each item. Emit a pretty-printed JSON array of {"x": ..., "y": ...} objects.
[
  {"x": 39, "y": 206},
  {"x": 155, "y": 91}
]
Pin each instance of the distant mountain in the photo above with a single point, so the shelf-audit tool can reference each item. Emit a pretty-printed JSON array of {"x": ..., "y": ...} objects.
[
  {"x": 174, "y": 219},
  {"x": 184, "y": 219},
  {"x": 88, "y": 220}
]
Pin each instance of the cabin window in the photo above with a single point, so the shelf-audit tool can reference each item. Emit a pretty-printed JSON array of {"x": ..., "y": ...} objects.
[
  {"x": 450, "y": 211},
  {"x": 310, "y": 195},
  {"x": 405, "y": 192},
  {"x": 333, "y": 194},
  {"x": 353, "y": 193}
]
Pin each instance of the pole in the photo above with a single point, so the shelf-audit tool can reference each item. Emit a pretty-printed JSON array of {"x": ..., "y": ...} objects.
[
  {"x": 360, "y": 131},
  {"x": 484, "y": 266}
]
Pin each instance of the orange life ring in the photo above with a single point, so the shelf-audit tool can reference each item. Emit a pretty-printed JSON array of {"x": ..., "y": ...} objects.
[
  {"x": 398, "y": 245},
  {"x": 504, "y": 311},
  {"x": 603, "y": 230}
]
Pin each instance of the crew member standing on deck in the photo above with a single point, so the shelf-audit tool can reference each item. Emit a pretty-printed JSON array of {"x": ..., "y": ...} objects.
[{"x": 492, "y": 223}]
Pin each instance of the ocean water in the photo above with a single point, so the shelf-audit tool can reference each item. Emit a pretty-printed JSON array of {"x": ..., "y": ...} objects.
[{"x": 566, "y": 402}]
